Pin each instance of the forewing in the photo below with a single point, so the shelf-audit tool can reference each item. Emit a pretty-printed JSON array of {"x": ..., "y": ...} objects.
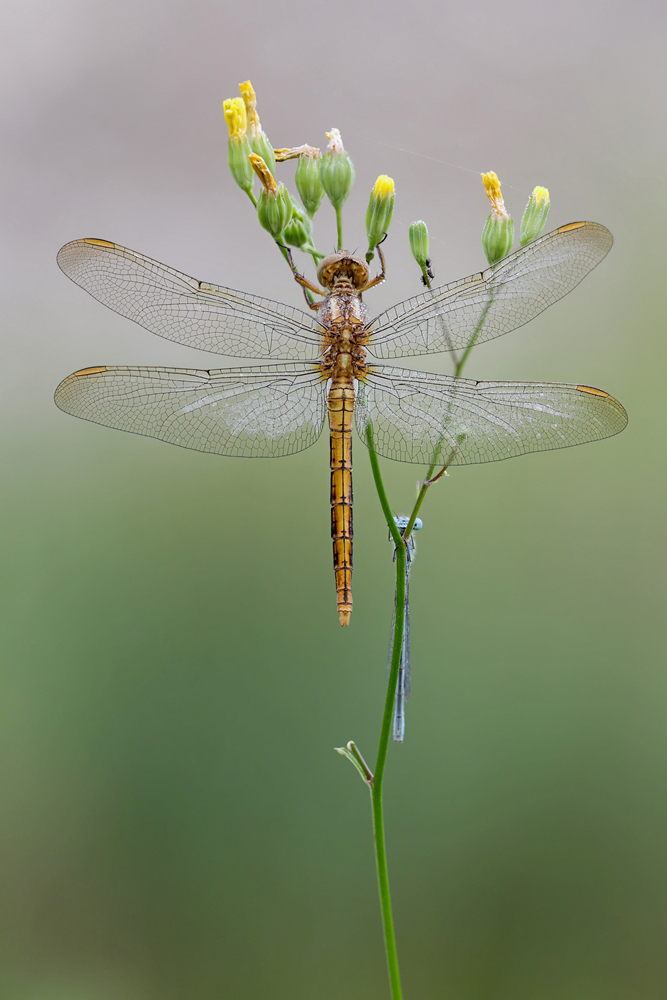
[
  {"x": 187, "y": 311},
  {"x": 437, "y": 419},
  {"x": 492, "y": 302},
  {"x": 244, "y": 412}
]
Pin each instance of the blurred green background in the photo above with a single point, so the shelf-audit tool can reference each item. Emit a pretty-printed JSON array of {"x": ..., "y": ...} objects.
[{"x": 174, "y": 822}]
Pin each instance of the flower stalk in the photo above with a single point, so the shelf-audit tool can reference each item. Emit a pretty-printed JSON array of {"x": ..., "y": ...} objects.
[{"x": 337, "y": 177}]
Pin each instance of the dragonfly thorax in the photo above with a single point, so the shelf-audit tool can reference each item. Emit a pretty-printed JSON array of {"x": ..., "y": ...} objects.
[{"x": 343, "y": 272}]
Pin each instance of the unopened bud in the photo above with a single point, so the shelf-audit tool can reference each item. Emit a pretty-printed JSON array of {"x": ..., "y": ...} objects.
[
  {"x": 379, "y": 211},
  {"x": 308, "y": 183},
  {"x": 238, "y": 149},
  {"x": 336, "y": 170},
  {"x": 298, "y": 232},
  {"x": 419, "y": 243},
  {"x": 274, "y": 205},
  {"x": 498, "y": 233},
  {"x": 535, "y": 215}
]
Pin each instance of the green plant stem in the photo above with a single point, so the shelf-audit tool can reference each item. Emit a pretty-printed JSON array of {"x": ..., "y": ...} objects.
[
  {"x": 428, "y": 480},
  {"x": 399, "y": 540},
  {"x": 339, "y": 227},
  {"x": 376, "y": 787},
  {"x": 473, "y": 340}
]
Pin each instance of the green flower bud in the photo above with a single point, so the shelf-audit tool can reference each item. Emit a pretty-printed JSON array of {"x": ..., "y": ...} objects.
[
  {"x": 378, "y": 213},
  {"x": 299, "y": 231},
  {"x": 535, "y": 215},
  {"x": 497, "y": 237},
  {"x": 418, "y": 234},
  {"x": 498, "y": 233},
  {"x": 274, "y": 205},
  {"x": 259, "y": 144},
  {"x": 336, "y": 171},
  {"x": 308, "y": 183},
  {"x": 237, "y": 154},
  {"x": 274, "y": 210},
  {"x": 237, "y": 158}
]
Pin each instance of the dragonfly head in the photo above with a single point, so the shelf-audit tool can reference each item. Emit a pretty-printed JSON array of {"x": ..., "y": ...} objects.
[{"x": 341, "y": 271}]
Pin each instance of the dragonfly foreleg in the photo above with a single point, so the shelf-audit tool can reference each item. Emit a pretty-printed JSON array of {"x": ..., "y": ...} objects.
[
  {"x": 383, "y": 273},
  {"x": 305, "y": 284}
]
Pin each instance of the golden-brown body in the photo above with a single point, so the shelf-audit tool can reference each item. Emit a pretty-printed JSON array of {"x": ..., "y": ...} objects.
[{"x": 344, "y": 320}]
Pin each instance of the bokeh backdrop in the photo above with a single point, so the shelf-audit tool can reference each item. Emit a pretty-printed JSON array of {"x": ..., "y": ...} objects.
[{"x": 175, "y": 823}]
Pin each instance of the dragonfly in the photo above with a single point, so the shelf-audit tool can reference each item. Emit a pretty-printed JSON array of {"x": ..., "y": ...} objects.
[{"x": 327, "y": 363}]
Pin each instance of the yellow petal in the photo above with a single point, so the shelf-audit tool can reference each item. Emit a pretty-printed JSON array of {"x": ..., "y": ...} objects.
[
  {"x": 235, "y": 117},
  {"x": 492, "y": 185},
  {"x": 250, "y": 102},
  {"x": 264, "y": 174},
  {"x": 384, "y": 187}
]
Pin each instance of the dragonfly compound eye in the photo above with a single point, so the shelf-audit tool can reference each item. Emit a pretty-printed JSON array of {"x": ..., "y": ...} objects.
[{"x": 342, "y": 268}]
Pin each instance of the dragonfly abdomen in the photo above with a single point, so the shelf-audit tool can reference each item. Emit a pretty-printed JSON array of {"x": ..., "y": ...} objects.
[{"x": 341, "y": 411}]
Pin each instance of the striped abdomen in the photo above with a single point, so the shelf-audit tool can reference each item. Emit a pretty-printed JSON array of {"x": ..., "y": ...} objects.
[{"x": 341, "y": 409}]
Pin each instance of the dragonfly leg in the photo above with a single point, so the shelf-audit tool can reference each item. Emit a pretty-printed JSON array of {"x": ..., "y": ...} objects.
[
  {"x": 383, "y": 273},
  {"x": 305, "y": 284}
]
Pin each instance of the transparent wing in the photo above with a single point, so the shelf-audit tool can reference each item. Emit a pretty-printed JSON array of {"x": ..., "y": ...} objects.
[
  {"x": 492, "y": 302},
  {"x": 426, "y": 418},
  {"x": 245, "y": 412},
  {"x": 187, "y": 311}
]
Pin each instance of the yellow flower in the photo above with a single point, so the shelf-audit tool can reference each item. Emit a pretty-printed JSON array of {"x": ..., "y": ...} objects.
[
  {"x": 250, "y": 102},
  {"x": 257, "y": 137},
  {"x": 498, "y": 234},
  {"x": 535, "y": 215},
  {"x": 492, "y": 185},
  {"x": 235, "y": 116},
  {"x": 379, "y": 212},
  {"x": 384, "y": 187}
]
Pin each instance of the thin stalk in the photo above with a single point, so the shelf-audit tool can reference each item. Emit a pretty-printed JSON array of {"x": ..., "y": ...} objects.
[
  {"x": 473, "y": 340},
  {"x": 382, "y": 494},
  {"x": 339, "y": 227},
  {"x": 399, "y": 540},
  {"x": 429, "y": 477},
  {"x": 376, "y": 787}
]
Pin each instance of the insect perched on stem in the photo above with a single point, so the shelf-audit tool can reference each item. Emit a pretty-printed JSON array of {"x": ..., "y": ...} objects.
[{"x": 327, "y": 365}]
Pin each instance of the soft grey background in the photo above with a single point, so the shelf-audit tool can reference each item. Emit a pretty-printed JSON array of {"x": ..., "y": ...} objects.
[{"x": 175, "y": 823}]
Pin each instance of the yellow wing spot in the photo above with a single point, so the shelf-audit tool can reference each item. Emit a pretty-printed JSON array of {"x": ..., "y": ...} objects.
[
  {"x": 571, "y": 225},
  {"x": 89, "y": 371},
  {"x": 100, "y": 243},
  {"x": 593, "y": 392}
]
